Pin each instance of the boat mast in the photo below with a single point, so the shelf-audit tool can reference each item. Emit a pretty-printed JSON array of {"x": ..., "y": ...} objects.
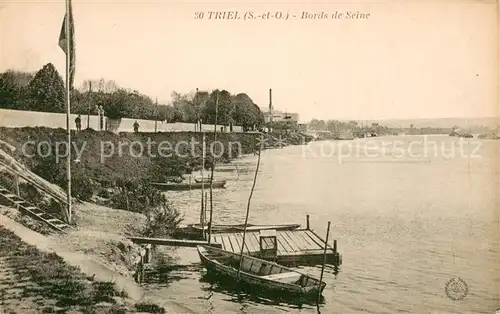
[
  {"x": 324, "y": 262},
  {"x": 212, "y": 171},
  {"x": 248, "y": 206},
  {"x": 202, "y": 211}
]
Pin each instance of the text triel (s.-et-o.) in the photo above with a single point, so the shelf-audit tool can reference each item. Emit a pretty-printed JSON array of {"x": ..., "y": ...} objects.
[{"x": 280, "y": 15}]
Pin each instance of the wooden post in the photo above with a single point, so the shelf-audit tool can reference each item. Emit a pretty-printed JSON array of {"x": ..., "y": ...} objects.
[
  {"x": 126, "y": 196},
  {"x": 324, "y": 261},
  {"x": 335, "y": 247},
  {"x": 307, "y": 222},
  {"x": 209, "y": 225},
  {"x": 197, "y": 122},
  {"x": 147, "y": 255},
  {"x": 156, "y": 116},
  {"x": 248, "y": 210},
  {"x": 90, "y": 101},
  {"x": 205, "y": 209},
  {"x": 202, "y": 215},
  {"x": 17, "y": 189},
  {"x": 142, "y": 269},
  {"x": 212, "y": 171}
]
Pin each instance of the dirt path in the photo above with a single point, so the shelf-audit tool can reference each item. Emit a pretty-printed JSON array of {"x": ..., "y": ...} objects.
[{"x": 87, "y": 265}]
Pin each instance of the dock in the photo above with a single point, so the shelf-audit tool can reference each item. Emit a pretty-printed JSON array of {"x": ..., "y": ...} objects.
[
  {"x": 294, "y": 247},
  {"x": 284, "y": 244}
]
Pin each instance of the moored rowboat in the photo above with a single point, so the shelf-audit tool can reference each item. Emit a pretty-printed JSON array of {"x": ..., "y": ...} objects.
[
  {"x": 196, "y": 231},
  {"x": 202, "y": 179},
  {"x": 263, "y": 275},
  {"x": 241, "y": 227},
  {"x": 168, "y": 186}
]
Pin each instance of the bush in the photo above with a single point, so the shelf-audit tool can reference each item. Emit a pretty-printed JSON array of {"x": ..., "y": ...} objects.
[
  {"x": 104, "y": 292},
  {"x": 52, "y": 207},
  {"x": 161, "y": 220},
  {"x": 149, "y": 308},
  {"x": 81, "y": 188}
]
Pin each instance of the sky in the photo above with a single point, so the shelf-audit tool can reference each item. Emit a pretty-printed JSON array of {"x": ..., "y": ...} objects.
[{"x": 426, "y": 59}]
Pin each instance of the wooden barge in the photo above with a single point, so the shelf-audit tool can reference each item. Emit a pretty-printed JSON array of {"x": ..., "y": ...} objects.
[{"x": 286, "y": 247}]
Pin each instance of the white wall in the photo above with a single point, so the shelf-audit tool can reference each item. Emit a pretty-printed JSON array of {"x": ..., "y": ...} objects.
[
  {"x": 127, "y": 125},
  {"x": 20, "y": 118}
]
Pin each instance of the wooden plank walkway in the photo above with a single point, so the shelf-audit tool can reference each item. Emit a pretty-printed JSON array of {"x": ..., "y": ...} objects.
[
  {"x": 295, "y": 247},
  {"x": 169, "y": 242},
  {"x": 34, "y": 211}
]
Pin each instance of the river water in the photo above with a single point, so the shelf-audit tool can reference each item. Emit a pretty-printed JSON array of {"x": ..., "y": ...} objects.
[{"x": 409, "y": 213}]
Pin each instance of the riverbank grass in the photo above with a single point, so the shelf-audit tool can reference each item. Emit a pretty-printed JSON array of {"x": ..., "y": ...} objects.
[{"x": 35, "y": 281}]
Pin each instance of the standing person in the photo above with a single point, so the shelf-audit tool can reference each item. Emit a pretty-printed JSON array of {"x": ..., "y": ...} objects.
[
  {"x": 139, "y": 269},
  {"x": 78, "y": 122},
  {"x": 136, "y": 127}
]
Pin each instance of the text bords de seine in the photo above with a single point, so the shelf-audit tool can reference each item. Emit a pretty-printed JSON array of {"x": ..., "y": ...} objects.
[{"x": 280, "y": 15}]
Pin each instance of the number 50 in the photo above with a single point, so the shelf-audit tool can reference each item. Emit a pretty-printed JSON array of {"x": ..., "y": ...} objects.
[{"x": 198, "y": 15}]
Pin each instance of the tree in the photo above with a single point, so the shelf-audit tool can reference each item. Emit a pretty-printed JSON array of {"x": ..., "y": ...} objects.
[
  {"x": 165, "y": 113},
  {"x": 224, "y": 108},
  {"x": 332, "y": 126},
  {"x": 9, "y": 92},
  {"x": 258, "y": 116},
  {"x": 183, "y": 108},
  {"x": 80, "y": 102},
  {"x": 139, "y": 106},
  {"x": 13, "y": 89},
  {"x": 114, "y": 104},
  {"x": 353, "y": 125},
  {"x": 200, "y": 100},
  {"x": 317, "y": 125},
  {"x": 245, "y": 113},
  {"x": 46, "y": 90}
]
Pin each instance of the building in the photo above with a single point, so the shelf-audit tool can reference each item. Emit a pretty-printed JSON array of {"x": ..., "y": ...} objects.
[
  {"x": 272, "y": 115},
  {"x": 303, "y": 126},
  {"x": 278, "y": 115}
]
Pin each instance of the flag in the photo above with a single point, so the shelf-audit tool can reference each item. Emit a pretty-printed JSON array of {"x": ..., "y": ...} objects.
[{"x": 63, "y": 38}]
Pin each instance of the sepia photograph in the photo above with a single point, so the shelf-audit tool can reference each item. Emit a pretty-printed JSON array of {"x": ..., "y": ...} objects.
[{"x": 165, "y": 156}]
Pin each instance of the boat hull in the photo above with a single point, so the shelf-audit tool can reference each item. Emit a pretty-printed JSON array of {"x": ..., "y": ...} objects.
[
  {"x": 195, "y": 231},
  {"x": 258, "y": 284},
  {"x": 241, "y": 227},
  {"x": 186, "y": 186},
  {"x": 231, "y": 170}
]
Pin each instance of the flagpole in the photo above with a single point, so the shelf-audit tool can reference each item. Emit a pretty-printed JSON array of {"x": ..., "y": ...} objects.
[{"x": 68, "y": 103}]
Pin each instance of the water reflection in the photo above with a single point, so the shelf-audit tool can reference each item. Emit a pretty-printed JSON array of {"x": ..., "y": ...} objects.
[
  {"x": 405, "y": 228},
  {"x": 166, "y": 274}
]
